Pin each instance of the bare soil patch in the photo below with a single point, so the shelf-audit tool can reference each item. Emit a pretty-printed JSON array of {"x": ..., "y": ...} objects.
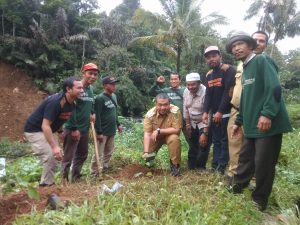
[
  {"x": 18, "y": 100},
  {"x": 17, "y": 204}
]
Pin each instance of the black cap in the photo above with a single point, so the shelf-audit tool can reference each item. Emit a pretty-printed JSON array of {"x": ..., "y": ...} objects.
[{"x": 109, "y": 80}]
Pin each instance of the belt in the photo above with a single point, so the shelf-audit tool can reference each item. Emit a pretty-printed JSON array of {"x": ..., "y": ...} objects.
[
  {"x": 236, "y": 108},
  {"x": 225, "y": 115}
]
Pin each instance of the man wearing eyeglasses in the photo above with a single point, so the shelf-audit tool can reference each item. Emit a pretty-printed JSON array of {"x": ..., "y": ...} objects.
[{"x": 76, "y": 129}]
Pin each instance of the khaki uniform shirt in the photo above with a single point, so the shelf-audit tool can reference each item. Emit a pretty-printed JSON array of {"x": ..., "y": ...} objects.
[
  {"x": 154, "y": 120},
  {"x": 193, "y": 107},
  {"x": 237, "y": 90}
]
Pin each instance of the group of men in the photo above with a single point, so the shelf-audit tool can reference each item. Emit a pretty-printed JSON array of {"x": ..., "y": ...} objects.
[
  {"x": 74, "y": 110},
  {"x": 240, "y": 112}
]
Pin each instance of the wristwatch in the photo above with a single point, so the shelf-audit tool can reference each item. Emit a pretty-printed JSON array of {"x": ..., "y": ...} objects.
[{"x": 158, "y": 131}]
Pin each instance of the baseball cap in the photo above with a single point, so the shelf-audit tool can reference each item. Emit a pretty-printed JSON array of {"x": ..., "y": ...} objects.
[
  {"x": 193, "y": 77},
  {"x": 90, "y": 66},
  {"x": 109, "y": 80},
  {"x": 211, "y": 49}
]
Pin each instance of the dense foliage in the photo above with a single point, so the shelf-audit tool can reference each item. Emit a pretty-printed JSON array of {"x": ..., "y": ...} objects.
[{"x": 52, "y": 39}]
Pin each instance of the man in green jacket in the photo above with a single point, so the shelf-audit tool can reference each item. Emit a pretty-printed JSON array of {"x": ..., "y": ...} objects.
[
  {"x": 264, "y": 119},
  {"x": 76, "y": 129},
  {"x": 106, "y": 124}
]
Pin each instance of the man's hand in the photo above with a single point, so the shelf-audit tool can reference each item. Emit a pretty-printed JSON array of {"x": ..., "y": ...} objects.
[
  {"x": 264, "y": 124},
  {"x": 188, "y": 129},
  {"x": 160, "y": 79},
  {"x": 205, "y": 118},
  {"x": 75, "y": 134},
  {"x": 217, "y": 117},
  {"x": 57, "y": 153},
  {"x": 148, "y": 156},
  {"x": 100, "y": 137},
  {"x": 203, "y": 140},
  {"x": 93, "y": 118},
  {"x": 120, "y": 129},
  {"x": 235, "y": 131},
  {"x": 154, "y": 135}
]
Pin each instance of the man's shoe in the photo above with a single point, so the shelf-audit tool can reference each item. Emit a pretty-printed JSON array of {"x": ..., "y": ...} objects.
[
  {"x": 45, "y": 185},
  {"x": 175, "y": 171},
  {"x": 260, "y": 206}
]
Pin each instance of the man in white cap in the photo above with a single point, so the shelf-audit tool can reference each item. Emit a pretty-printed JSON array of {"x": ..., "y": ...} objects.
[
  {"x": 264, "y": 118},
  {"x": 193, "y": 100},
  {"x": 220, "y": 82}
]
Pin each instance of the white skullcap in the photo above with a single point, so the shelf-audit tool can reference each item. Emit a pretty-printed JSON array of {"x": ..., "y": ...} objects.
[{"x": 193, "y": 77}]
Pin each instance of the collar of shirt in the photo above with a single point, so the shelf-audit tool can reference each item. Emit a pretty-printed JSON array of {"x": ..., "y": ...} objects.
[{"x": 248, "y": 59}]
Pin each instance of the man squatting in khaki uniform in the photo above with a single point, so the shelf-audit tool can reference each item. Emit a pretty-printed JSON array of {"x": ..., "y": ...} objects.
[{"x": 162, "y": 125}]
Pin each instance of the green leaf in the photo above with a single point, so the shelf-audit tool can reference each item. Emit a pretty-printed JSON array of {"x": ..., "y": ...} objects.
[{"x": 33, "y": 193}]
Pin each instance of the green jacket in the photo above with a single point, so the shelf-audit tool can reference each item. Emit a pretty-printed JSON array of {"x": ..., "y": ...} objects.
[
  {"x": 80, "y": 118},
  {"x": 106, "y": 115},
  {"x": 261, "y": 95},
  {"x": 176, "y": 95}
]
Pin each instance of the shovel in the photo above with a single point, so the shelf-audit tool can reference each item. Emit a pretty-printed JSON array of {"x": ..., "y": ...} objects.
[{"x": 99, "y": 165}]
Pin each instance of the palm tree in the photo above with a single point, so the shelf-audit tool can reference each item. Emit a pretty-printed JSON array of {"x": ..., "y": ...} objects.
[
  {"x": 280, "y": 17},
  {"x": 182, "y": 17}
]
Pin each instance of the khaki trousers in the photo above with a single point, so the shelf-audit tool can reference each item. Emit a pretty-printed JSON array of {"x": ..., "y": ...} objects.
[
  {"x": 234, "y": 144},
  {"x": 174, "y": 147},
  {"x": 42, "y": 149},
  {"x": 106, "y": 149}
]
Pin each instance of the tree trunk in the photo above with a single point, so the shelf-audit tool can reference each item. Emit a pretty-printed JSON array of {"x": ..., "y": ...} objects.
[
  {"x": 14, "y": 29},
  {"x": 178, "y": 59},
  {"x": 2, "y": 21}
]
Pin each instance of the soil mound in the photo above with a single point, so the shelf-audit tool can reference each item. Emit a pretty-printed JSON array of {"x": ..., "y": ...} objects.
[{"x": 19, "y": 98}]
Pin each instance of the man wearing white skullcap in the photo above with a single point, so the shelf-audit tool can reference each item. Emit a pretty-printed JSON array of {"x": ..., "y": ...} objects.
[{"x": 193, "y": 99}]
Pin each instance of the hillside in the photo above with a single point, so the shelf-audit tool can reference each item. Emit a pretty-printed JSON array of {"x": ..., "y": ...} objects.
[{"x": 19, "y": 98}]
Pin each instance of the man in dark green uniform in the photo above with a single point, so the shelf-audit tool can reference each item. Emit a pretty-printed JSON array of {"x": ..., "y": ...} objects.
[
  {"x": 76, "y": 129},
  {"x": 264, "y": 118},
  {"x": 106, "y": 123}
]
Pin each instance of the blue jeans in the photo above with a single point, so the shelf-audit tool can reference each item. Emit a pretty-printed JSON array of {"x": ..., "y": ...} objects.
[{"x": 220, "y": 143}]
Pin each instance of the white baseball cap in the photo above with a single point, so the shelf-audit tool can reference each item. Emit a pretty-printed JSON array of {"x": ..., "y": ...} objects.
[
  {"x": 193, "y": 77},
  {"x": 211, "y": 49}
]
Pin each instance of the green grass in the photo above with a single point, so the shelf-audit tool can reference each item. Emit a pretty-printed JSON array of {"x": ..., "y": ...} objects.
[{"x": 162, "y": 199}]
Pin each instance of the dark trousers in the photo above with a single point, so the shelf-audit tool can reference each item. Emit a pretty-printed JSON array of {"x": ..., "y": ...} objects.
[
  {"x": 197, "y": 155},
  {"x": 258, "y": 157},
  {"x": 75, "y": 154},
  {"x": 220, "y": 145}
]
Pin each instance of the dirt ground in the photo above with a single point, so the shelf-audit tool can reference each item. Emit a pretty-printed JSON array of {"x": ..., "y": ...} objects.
[
  {"x": 16, "y": 204},
  {"x": 19, "y": 98}
]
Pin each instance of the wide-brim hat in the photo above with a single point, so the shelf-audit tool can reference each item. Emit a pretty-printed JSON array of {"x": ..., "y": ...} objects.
[{"x": 240, "y": 36}]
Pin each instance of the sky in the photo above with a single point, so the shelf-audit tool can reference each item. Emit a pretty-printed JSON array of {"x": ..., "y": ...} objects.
[{"x": 234, "y": 10}]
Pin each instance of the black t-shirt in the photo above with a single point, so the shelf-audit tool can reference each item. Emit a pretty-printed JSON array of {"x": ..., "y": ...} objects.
[{"x": 51, "y": 109}]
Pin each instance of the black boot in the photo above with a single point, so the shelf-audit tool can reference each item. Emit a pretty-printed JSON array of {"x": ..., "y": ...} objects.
[{"x": 175, "y": 171}]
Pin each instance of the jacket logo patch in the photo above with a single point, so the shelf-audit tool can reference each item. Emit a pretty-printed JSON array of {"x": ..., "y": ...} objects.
[{"x": 249, "y": 81}]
